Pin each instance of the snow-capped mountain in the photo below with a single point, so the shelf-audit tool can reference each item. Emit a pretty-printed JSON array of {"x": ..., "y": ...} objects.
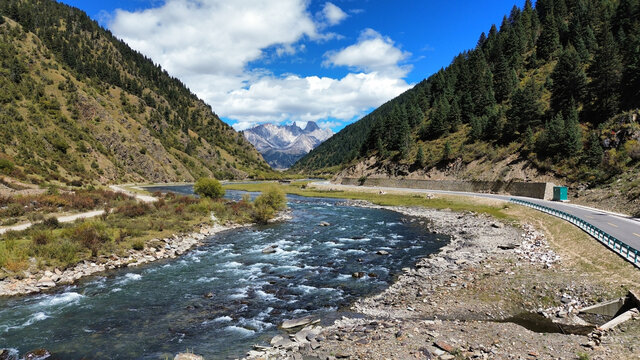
[{"x": 282, "y": 145}]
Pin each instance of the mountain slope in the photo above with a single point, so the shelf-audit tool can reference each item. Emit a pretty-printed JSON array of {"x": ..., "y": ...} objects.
[
  {"x": 551, "y": 94},
  {"x": 80, "y": 106},
  {"x": 281, "y": 146}
]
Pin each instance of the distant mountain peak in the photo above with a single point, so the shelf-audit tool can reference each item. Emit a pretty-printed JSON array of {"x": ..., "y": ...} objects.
[{"x": 283, "y": 145}]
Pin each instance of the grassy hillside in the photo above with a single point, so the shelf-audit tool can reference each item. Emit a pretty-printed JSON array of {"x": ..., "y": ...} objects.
[
  {"x": 79, "y": 106},
  {"x": 552, "y": 92}
]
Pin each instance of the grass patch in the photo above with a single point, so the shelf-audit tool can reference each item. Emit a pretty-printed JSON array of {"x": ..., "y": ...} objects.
[
  {"x": 454, "y": 203},
  {"x": 130, "y": 225}
]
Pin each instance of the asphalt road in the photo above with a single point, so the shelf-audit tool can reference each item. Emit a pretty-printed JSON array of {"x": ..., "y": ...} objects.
[{"x": 624, "y": 228}]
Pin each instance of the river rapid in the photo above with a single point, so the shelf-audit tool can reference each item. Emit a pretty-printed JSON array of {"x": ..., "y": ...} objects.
[{"x": 220, "y": 299}]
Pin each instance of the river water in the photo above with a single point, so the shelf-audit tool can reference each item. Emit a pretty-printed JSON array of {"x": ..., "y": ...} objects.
[{"x": 157, "y": 310}]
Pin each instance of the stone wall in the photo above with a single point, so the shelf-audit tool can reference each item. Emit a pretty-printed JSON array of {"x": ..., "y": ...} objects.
[{"x": 537, "y": 190}]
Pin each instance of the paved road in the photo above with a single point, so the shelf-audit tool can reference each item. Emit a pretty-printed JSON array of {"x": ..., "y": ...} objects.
[{"x": 624, "y": 228}]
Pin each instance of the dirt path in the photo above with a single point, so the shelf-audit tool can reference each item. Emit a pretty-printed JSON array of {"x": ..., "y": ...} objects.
[{"x": 84, "y": 215}]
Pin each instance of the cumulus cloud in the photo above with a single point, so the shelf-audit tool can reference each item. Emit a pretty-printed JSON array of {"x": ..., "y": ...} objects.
[
  {"x": 213, "y": 46},
  {"x": 295, "y": 98},
  {"x": 333, "y": 14},
  {"x": 372, "y": 52}
]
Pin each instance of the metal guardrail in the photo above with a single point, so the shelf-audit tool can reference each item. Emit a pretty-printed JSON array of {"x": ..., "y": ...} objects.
[{"x": 627, "y": 252}]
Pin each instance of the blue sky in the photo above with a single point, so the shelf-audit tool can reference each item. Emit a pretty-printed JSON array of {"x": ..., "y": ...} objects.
[{"x": 257, "y": 61}]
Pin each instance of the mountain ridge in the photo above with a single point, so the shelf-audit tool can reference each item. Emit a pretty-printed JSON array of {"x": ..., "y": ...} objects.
[
  {"x": 552, "y": 93},
  {"x": 282, "y": 145},
  {"x": 80, "y": 106}
]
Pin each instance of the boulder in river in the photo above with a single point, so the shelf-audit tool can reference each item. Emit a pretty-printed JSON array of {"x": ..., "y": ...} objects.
[
  {"x": 8, "y": 354},
  {"x": 358, "y": 274},
  {"x": 288, "y": 324},
  {"x": 39, "y": 354},
  {"x": 188, "y": 356},
  {"x": 382, "y": 252},
  {"x": 324, "y": 223},
  {"x": 269, "y": 249}
]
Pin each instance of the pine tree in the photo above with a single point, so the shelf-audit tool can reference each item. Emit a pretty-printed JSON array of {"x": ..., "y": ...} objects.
[
  {"x": 420, "y": 157},
  {"x": 446, "y": 152},
  {"x": 569, "y": 80},
  {"x": 526, "y": 110},
  {"x": 529, "y": 141},
  {"x": 631, "y": 75},
  {"x": 606, "y": 72},
  {"x": 503, "y": 82},
  {"x": 593, "y": 154},
  {"x": 554, "y": 136},
  {"x": 549, "y": 40},
  {"x": 573, "y": 132}
]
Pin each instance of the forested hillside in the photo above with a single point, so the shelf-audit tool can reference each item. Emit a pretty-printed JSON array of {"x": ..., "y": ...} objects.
[
  {"x": 80, "y": 106},
  {"x": 555, "y": 89}
]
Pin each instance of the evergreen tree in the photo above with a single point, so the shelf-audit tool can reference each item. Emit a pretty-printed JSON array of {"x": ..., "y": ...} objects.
[
  {"x": 606, "y": 72},
  {"x": 503, "y": 82},
  {"x": 529, "y": 142},
  {"x": 438, "y": 125},
  {"x": 594, "y": 152},
  {"x": 631, "y": 75},
  {"x": 526, "y": 110},
  {"x": 549, "y": 40},
  {"x": 420, "y": 157},
  {"x": 569, "y": 80},
  {"x": 554, "y": 135},
  {"x": 447, "y": 152},
  {"x": 573, "y": 132}
]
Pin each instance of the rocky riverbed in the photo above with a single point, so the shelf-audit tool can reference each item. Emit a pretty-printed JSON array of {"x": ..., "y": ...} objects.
[{"x": 491, "y": 293}]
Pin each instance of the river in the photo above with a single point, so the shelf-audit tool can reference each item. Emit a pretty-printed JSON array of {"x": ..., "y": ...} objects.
[{"x": 220, "y": 299}]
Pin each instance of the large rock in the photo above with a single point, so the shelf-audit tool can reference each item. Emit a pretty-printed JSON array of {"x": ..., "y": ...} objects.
[
  {"x": 39, "y": 354},
  {"x": 45, "y": 282},
  {"x": 288, "y": 324},
  {"x": 269, "y": 249},
  {"x": 188, "y": 356}
]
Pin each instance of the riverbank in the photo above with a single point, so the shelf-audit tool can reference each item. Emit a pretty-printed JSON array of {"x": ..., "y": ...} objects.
[{"x": 470, "y": 299}]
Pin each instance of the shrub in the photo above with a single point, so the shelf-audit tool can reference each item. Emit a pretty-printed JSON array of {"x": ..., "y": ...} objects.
[
  {"x": 272, "y": 197},
  {"x": 15, "y": 210},
  {"x": 133, "y": 209},
  {"x": 6, "y": 165},
  {"x": 208, "y": 187},
  {"x": 138, "y": 245},
  {"x": 41, "y": 238},
  {"x": 51, "y": 222},
  {"x": 262, "y": 213},
  {"x": 90, "y": 235}
]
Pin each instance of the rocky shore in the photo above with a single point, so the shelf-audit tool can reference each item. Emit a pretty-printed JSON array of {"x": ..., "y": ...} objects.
[
  {"x": 155, "y": 249},
  {"x": 494, "y": 292}
]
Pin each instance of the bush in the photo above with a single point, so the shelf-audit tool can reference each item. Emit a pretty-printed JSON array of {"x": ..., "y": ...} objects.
[
  {"x": 6, "y": 166},
  {"x": 133, "y": 209},
  {"x": 266, "y": 205},
  {"x": 90, "y": 235},
  {"x": 41, "y": 238},
  {"x": 208, "y": 187},
  {"x": 138, "y": 245},
  {"x": 273, "y": 197},
  {"x": 15, "y": 210},
  {"x": 51, "y": 222},
  {"x": 262, "y": 213}
]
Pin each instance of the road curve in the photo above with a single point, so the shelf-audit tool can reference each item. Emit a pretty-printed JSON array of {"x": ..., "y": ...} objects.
[{"x": 624, "y": 228}]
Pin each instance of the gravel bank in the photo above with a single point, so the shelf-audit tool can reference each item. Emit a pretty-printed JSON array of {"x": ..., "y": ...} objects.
[{"x": 468, "y": 301}]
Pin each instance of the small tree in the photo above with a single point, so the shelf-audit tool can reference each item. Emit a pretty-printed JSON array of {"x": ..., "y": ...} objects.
[
  {"x": 208, "y": 187},
  {"x": 420, "y": 157}
]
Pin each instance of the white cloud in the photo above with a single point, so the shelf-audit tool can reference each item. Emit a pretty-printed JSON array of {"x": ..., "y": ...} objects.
[
  {"x": 333, "y": 14},
  {"x": 213, "y": 36},
  {"x": 372, "y": 52},
  {"x": 295, "y": 98},
  {"x": 211, "y": 45}
]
